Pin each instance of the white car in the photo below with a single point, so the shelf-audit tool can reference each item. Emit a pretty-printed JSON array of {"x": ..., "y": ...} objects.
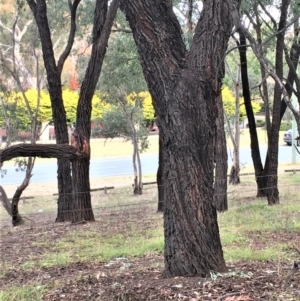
[{"x": 288, "y": 138}]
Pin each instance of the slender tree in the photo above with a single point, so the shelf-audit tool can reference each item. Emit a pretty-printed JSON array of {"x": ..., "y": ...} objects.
[{"x": 266, "y": 175}]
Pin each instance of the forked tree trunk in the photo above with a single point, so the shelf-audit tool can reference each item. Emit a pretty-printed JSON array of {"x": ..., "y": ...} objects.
[
  {"x": 103, "y": 20},
  {"x": 221, "y": 162},
  {"x": 160, "y": 176},
  {"x": 39, "y": 10},
  {"x": 7, "y": 206},
  {"x": 184, "y": 87}
]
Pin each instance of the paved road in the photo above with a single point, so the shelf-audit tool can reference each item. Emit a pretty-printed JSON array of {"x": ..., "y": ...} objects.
[{"x": 109, "y": 167}]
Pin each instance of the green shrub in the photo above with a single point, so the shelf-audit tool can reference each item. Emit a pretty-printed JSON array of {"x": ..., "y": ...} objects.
[
  {"x": 285, "y": 125},
  {"x": 260, "y": 123}
]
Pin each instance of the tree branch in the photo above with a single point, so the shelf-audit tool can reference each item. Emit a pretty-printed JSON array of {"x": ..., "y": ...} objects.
[
  {"x": 268, "y": 14},
  {"x": 59, "y": 151},
  {"x": 73, "y": 9},
  {"x": 5, "y": 27}
]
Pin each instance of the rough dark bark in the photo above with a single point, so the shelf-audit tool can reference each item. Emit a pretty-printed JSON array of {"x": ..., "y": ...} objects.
[
  {"x": 160, "y": 177},
  {"x": 184, "y": 87},
  {"x": 62, "y": 151},
  {"x": 221, "y": 162}
]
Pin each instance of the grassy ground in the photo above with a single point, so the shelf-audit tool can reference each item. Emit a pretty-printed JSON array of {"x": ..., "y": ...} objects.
[
  {"x": 129, "y": 230},
  {"x": 47, "y": 261}
]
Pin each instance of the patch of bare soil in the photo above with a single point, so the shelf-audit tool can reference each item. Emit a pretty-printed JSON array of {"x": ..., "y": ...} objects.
[{"x": 138, "y": 279}]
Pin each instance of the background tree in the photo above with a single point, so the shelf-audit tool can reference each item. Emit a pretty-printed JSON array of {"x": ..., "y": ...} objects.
[
  {"x": 125, "y": 120},
  {"x": 81, "y": 206},
  {"x": 266, "y": 176},
  {"x": 124, "y": 92},
  {"x": 103, "y": 18},
  {"x": 21, "y": 75}
]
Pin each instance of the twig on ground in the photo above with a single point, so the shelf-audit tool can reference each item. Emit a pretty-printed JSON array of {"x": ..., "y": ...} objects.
[
  {"x": 28, "y": 219},
  {"x": 298, "y": 251},
  {"x": 229, "y": 295},
  {"x": 292, "y": 272},
  {"x": 81, "y": 222}
]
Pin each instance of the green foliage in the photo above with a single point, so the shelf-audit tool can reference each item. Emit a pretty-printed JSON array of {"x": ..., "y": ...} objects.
[
  {"x": 16, "y": 109},
  {"x": 122, "y": 86},
  {"x": 260, "y": 123},
  {"x": 229, "y": 105},
  {"x": 285, "y": 125},
  {"x": 116, "y": 124}
]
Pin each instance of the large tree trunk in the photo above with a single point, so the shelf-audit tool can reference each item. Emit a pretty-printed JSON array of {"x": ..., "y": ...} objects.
[
  {"x": 184, "y": 87},
  {"x": 160, "y": 177},
  {"x": 221, "y": 161}
]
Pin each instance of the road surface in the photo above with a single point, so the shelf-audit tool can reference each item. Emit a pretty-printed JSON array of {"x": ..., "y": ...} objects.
[{"x": 118, "y": 166}]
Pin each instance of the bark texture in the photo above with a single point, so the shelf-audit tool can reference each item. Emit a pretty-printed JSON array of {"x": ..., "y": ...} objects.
[
  {"x": 160, "y": 177},
  {"x": 184, "y": 87},
  {"x": 221, "y": 161},
  {"x": 62, "y": 151}
]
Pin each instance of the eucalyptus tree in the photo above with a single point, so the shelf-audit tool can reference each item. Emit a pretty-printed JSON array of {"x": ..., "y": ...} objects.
[
  {"x": 79, "y": 153},
  {"x": 185, "y": 84},
  {"x": 274, "y": 37},
  {"x": 103, "y": 21},
  {"x": 122, "y": 85}
]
